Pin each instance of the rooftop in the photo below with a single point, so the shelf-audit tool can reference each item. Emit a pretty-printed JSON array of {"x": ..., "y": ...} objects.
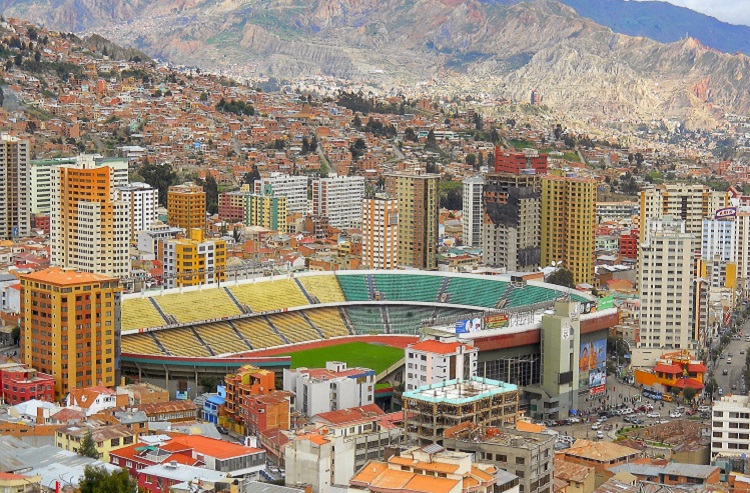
[
  {"x": 599, "y": 451},
  {"x": 57, "y": 275},
  {"x": 673, "y": 468},
  {"x": 460, "y": 391},
  {"x": 438, "y": 347}
]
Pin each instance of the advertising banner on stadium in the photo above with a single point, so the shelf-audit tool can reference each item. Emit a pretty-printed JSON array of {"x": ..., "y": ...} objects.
[
  {"x": 496, "y": 321},
  {"x": 466, "y": 326},
  {"x": 592, "y": 365},
  {"x": 605, "y": 303}
]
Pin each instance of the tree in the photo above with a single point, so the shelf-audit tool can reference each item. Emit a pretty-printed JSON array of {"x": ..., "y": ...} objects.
[
  {"x": 203, "y": 97},
  {"x": 88, "y": 447},
  {"x": 212, "y": 194},
  {"x": 252, "y": 176},
  {"x": 159, "y": 176},
  {"x": 561, "y": 277},
  {"x": 689, "y": 394},
  {"x": 471, "y": 159},
  {"x": 15, "y": 334},
  {"x": 99, "y": 480},
  {"x": 711, "y": 386},
  {"x": 410, "y": 134}
]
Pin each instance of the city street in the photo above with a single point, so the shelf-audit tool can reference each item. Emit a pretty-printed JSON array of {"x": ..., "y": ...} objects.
[{"x": 734, "y": 370}]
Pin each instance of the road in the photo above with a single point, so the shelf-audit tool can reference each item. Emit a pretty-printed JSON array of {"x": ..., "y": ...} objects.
[{"x": 734, "y": 373}]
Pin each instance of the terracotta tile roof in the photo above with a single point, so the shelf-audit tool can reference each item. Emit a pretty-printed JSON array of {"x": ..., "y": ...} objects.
[
  {"x": 165, "y": 407},
  {"x": 671, "y": 369},
  {"x": 215, "y": 448},
  {"x": 570, "y": 471},
  {"x": 432, "y": 346},
  {"x": 599, "y": 451},
  {"x": 315, "y": 438},
  {"x": 351, "y": 415},
  {"x": 430, "y": 484},
  {"x": 530, "y": 427},
  {"x": 370, "y": 471}
]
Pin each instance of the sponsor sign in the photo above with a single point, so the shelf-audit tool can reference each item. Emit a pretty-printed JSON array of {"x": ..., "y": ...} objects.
[
  {"x": 725, "y": 212},
  {"x": 496, "y": 321}
]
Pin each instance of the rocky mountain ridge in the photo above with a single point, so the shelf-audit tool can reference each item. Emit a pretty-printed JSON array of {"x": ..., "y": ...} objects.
[{"x": 576, "y": 64}]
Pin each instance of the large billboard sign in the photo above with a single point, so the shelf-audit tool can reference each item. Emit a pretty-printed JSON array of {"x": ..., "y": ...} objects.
[{"x": 592, "y": 365}]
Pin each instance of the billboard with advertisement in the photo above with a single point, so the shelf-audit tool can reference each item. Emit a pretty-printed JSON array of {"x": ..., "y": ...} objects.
[
  {"x": 496, "y": 321},
  {"x": 592, "y": 365},
  {"x": 605, "y": 303},
  {"x": 469, "y": 325}
]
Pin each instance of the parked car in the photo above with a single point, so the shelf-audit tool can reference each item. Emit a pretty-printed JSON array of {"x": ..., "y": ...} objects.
[
  {"x": 705, "y": 415},
  {"x": 725, "y": 372},
  {"x": 574, "y": 420},
  {"x": 653, "y": 415},
  {"x": 663, "y": 421},
  {"x": 222, "y": 430},
  {"x": 637, "y": 421},
  {"x": 627, "y": 419},
  {"x": 608, "y": 427},
  {"x": 691, "y": 412},
  {"x": 675, "y": 414},
  {"x": 596, "y": 426},
  {"x": 602, "y": 419},
  {"x": 600, "y": 435},
  {"x": 704, "y": 408}
]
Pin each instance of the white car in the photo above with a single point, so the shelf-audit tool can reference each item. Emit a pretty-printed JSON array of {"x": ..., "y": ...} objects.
[
  {"x": 653, "y": 415},
  {"x": 574, "y": 420},
  {"x": 675, "y": 414},
  {"x": 599, "y": 435},
  {"x": 596, "y": 426},
  {"x": 704, "y": 409}
]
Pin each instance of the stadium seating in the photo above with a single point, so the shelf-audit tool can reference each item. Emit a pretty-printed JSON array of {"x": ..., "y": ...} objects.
[
  {"x": 221, "y": 338},
  {"x": 141, "y": 343},
  {"x": 258, "y": 332},
  {"x": 181, "y": 342},
  {"x": 294, "y": 327},
  {"x": 138, "y": 313},
  {"x": 527, "y": 295},
  {"x": 325, "y": 288},
  {"x": 395, "y": 287},
  {"x": 354, "y": 287},
  {"x": 195, "y": 306},
  {"x": 328, "y": 320},
  {"x": 407, "y": 319},
  {"x": 270, "y": 295},
  {"x": 365, "y": 319},
  {"x": 475, "y": 292}
]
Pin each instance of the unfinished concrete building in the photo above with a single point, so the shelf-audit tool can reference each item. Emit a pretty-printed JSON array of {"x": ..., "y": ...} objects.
[
  {"x": 430, "y": 410},
  {"x": 511, "y": 233}
]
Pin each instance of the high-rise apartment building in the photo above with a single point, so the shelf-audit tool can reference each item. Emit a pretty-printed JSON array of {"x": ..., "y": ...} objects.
[
  {"x": 432, "y": 361},
  {"x": 666, "y": 282},
  {"x": 569, "y": 224},
  {"x": 194, "y": 261},
  {"x": 143, "y": 202},
  {"x": 70, "y": 327},
  {"x": 511, "y": 229},
  {"x": 418, "y": 205},
  {"x": 380, "y": 232},
  {"x": 232, "y": 206},
  {"x": 89, "y": 228},
  {"x": 15, "y": 200},
  {"x": 41, "y": 176},
  {"x": 266, "y": 210},
  {"x": 339, "y": 199},
  {"x": 294, "y": 188},
  {"x": 186, "y": 206},
  {"x": 729, "y": 427},
  {"x": 691, "y": 203},
  {"x": 472, "y": 216}
]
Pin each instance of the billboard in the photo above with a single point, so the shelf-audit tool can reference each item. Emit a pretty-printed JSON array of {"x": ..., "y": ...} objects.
[
  {"x": 592, "y": 366},
  {"x": 725, "y": 212},
  {"x": 470, "y": 325},
  {"x": 496, "y": 321},
  {"x": 605, "y": 303}
]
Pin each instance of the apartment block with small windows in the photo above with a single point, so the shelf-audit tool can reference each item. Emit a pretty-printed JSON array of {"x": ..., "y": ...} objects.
[
  {"x": 143, "y": 202},
  {"x": 691, "y": 203},
  {"x": 186, "y": 206},
  {"x": 70, "y": 327},
  {"x": 380, "y": 232},
  {"x": 294, "y": 188},
  {"x": 15, "y": 199},
  {"x": 730, "y": 427},
  {"x": 569, "y": 224},
  {"x": 432, "y": 361},
  {"x": 194, "y": 261},
  {"x": 340, "y": 200},
  {"x": 473, "y": 211}
]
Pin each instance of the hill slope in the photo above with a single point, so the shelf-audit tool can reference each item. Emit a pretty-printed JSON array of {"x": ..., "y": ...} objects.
[{"x": 476, "y": 45}]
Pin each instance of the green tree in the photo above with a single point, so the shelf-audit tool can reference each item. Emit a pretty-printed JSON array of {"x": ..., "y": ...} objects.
[
  {"x": 711, "y": 386},
  {"x": 204, "y": 96},
  {"x": 15, "y": 334},
  {"x": 561, "y": 277},
  {"x": 99, "y": 480},
  {"x": 689, "y": 394},
  {"x": 159, "y": 176},
  {"x": 471, "y": 159},
  {"x": 212, "y": 194},
  {"x": 410, "y": 134},
  {"x": 252, "y": 176},
  {"x": 88, "y": 446}
]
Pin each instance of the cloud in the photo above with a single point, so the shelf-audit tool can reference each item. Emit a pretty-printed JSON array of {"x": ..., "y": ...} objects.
[{"x": 731, "y": 11}]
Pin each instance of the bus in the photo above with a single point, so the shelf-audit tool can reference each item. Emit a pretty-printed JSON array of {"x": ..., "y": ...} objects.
[{"x": 650, "y": 393}]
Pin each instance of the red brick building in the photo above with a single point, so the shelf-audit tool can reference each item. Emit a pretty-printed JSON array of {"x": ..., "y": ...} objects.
[
  {"x": 18, "y": 383},
  {"x": 266, "y": 412},
  {"x": 507, "y": 161},
  {"x": 629, "y": 244}
]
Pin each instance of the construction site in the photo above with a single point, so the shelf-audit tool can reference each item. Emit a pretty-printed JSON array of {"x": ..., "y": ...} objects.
[{"x": 430, "y": 410}]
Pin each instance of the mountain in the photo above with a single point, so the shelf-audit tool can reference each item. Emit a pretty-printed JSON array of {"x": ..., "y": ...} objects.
[
  {"x": 664, "y": 22},
  {"x": 472, "y": 45}
]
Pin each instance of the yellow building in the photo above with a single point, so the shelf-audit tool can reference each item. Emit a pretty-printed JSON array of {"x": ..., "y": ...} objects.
[
  {"x": 19, "y": 483},
  {"x": 186, "y": 206},
  {"x": 70, "y": 327},
  {"x": 418, "y": 204},
  {"x": 569, "y": 224},
  {"x": 266, "y": 210},
  {"x": 106, "y": 438},
  {"x": 194, "y": 261}
]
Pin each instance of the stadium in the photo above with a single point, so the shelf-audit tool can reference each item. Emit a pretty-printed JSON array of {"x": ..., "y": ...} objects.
[{"x": 174, "y": 337}]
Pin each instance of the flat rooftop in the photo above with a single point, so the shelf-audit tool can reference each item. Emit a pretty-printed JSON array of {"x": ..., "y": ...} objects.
[{"x": 460, "y": 391}]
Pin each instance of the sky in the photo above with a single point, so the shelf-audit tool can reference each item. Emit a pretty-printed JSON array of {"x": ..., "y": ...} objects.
[{"x": 732, "y": 11}]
